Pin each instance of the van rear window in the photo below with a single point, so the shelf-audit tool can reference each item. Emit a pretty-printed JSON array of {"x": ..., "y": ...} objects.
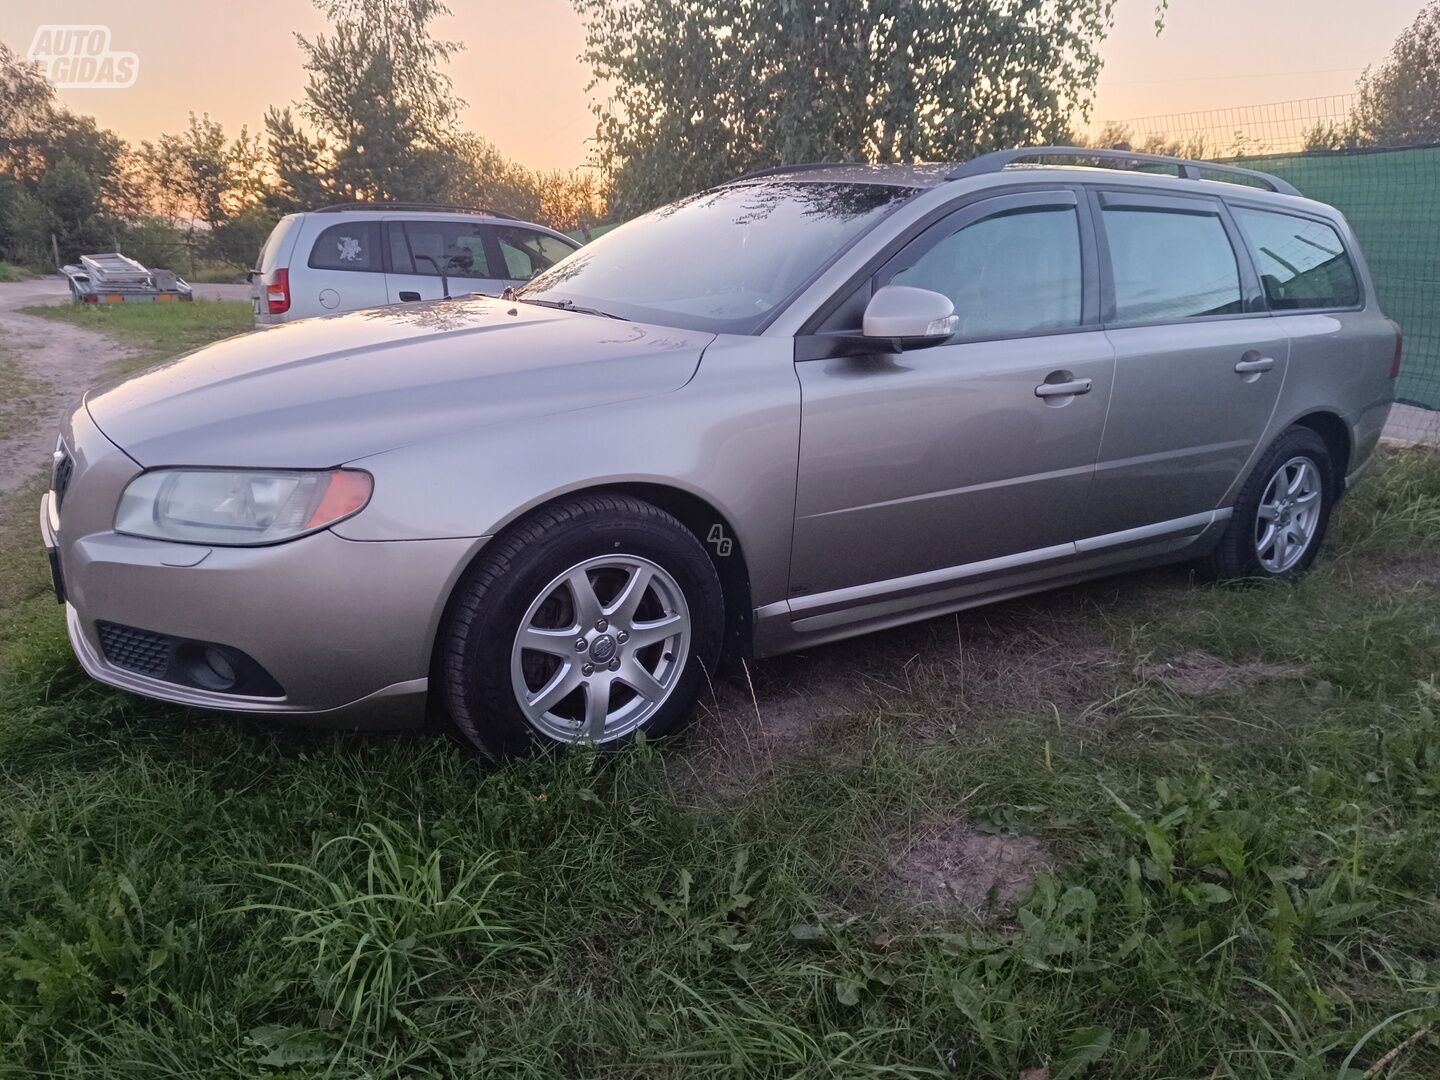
[
  {"x": 352, "y": 246},
  {"x": 1302, "y": 262}
]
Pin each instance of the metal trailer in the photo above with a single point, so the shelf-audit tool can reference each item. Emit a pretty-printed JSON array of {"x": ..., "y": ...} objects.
[{"x": 113, "y": 278}]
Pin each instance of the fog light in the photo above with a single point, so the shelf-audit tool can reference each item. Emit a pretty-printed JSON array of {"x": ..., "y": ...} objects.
[{"x": 210, "y": 668}]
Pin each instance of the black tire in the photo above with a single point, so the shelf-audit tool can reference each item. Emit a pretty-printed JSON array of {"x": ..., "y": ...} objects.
[
  {"x": 1235, "y": 557},
  {"x": 474, "y": 667}
]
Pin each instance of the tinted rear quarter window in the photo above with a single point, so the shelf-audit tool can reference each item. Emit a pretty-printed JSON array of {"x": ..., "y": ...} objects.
[
  {"x": 1302, "y": 262},
  {"x": 350, "y": 246},
  {"x": 1171, "y": 264}
]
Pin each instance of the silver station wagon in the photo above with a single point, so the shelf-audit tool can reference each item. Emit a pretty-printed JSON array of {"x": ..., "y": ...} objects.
[{"x": 814, "y": 402}]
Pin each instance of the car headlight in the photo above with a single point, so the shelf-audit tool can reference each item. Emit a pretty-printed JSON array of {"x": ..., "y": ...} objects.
[{"x": 239, "y": 506}]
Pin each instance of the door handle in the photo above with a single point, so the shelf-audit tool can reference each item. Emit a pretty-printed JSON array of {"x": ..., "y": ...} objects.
[
  {"x": 407, "y": 296},
  {"x": 1255, "y": 366},
  {"x": 1063, "y": 389}
]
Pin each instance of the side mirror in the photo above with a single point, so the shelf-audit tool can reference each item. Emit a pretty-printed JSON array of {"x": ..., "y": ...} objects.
[{"x": 910, "y": 318}]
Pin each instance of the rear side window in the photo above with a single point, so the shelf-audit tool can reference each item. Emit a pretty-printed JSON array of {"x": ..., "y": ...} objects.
[
  {"x": 428, "y": 247},
  {"x": 1302, "y": 263},
  {"x": 528, "y": 252},
  {"x": 1170, "y": 264},
  {"x": 1013, "y": 273},
  {"x": 352, "y": 246}
]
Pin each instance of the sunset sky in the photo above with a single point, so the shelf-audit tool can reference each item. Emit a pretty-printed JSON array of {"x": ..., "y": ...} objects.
[{"x": 526, "y": 89}]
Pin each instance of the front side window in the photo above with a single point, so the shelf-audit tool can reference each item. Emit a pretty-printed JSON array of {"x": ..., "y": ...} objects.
[
  {"x": 428, "y": 247},
  {"x": 352, "y": 246},
  {"x": 721, "y": 260},
  {"x": 527, "y": 252},
  {"x": 1302, "y": 262},
  {"x": 1013, "y": 273},
  {"x": 1171, "y": 265}
]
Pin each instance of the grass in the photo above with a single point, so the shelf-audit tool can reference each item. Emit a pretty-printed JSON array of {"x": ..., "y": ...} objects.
[
  {"x": 9, "y": 272},
  {"x": 1245, "y": 882},
  {"x": 156, "y": 331}
]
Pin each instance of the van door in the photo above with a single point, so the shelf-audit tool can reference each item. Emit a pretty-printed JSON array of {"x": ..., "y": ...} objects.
[
  {"x": 1198, "y": 361},
  {"x": 344, "y": 271},
  {"x": 951, "y": 460},
  {"x": 429, "y": 257}
]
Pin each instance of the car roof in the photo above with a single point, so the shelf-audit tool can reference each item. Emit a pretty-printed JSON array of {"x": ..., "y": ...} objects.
[
  {"x": 1130, "y": 167},
  {"x": 378, "y": 213}
]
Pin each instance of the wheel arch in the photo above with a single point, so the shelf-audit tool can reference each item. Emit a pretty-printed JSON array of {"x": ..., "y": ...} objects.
[
  {"x": 1335, "y": 432},
  {"x": 710, "y": 526}
]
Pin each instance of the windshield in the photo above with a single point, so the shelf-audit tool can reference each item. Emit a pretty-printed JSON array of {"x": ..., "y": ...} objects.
[{"x": 720, "y": 260}]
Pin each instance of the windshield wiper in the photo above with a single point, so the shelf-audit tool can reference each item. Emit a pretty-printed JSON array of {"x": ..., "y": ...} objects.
[{"x": 562, "y": 305}]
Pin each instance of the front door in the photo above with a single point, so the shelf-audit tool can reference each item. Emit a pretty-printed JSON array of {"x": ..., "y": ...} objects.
[
  {"x": 1198, "y": 364},
  {"x": 981, "y": 448}
]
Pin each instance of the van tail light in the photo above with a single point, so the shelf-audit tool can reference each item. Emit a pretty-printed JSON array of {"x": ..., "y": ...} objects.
[
  {"x": 1399, "y": 343},
  {"x": 277, "y": 292}
]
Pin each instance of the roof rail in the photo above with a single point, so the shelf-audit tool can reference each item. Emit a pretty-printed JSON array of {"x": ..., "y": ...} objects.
[
  {"x": 776, "y": 170},
  {"x": 1184, "y": 168},
  {"x": 336, "y": 208}
]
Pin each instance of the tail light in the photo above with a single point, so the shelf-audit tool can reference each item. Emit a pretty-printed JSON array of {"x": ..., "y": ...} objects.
[
  {"x": 1399, "y": 343},
  {"x": 277, "y": 292}
]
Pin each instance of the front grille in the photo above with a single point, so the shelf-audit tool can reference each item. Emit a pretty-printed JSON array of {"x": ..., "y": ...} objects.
[
  {"x": 135, "y": 650},
  {"x": 60, "y": 475}
]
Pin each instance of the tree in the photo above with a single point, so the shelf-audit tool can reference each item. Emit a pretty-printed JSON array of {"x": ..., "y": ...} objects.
[
  {"x": 1398, "y": 103},
  {"x": 384, "y": 111},
  {"x": 706, "y": 89},
  {"x": 61, "y": 171}
]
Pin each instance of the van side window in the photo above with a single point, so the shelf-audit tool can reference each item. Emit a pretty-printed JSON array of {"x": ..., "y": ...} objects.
[
  {"x": 1013, "y": 273},
  {"x": 354, "y": 245},
  {"x": 1170, "y": 264},
  {"x": 528, "y": 252},
  {"x": 1302, "y": 263},
  {"x": 427, "y": 247}
]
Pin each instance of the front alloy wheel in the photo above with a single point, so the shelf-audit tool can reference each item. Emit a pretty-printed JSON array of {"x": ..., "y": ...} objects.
[
  {"x": 587, "y": 622},
  {"x": 600, "y": 649}
]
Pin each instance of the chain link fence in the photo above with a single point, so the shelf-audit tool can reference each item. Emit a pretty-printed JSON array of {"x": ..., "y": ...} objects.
[{"x": 1390, "y": 195}]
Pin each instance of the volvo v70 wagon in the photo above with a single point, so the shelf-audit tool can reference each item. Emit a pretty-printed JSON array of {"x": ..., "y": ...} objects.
[{"x": 810, "y": 403}]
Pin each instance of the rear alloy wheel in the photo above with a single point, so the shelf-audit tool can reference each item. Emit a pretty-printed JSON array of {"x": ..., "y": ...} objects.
[
  {"x": 1288, "y": 516},
  {"x": 1281, "y": 515},
  {"x": 585, "y": 623}
]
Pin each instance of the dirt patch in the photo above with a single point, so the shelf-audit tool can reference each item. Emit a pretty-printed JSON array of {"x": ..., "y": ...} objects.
[
  {"x": 1195, "y": 674},
  {"x": 58, "y": 363},
  {"x": 1401, "y": 573},
  {"x": 957, "y": 867},
  {"x": 1046, "y": 654}
]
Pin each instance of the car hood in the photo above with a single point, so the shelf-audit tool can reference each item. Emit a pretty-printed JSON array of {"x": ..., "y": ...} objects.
[{"x": 320, "y": 392}]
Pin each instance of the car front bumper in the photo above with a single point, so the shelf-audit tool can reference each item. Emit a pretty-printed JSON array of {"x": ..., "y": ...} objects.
[{"x": 345, "y": 628}]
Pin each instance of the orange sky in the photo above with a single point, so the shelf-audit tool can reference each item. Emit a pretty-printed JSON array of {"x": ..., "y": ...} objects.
[{"x": 525, "y": 87}]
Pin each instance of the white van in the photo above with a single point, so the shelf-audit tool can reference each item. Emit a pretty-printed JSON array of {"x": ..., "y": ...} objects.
[{"x": 362, "y": 255}]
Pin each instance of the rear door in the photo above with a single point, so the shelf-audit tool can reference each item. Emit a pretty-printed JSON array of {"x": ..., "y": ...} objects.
[
  {"x": 421, "y": 249},
  {"x": 343, "y": 270},
  {"x": 1199, "y": 362},
  {"x": 979, "y": 449}
]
